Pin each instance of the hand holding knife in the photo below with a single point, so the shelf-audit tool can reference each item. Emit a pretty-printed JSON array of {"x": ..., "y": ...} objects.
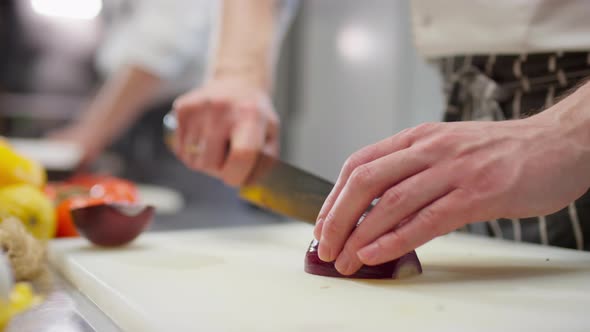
[{"x": 276, "y": 185}]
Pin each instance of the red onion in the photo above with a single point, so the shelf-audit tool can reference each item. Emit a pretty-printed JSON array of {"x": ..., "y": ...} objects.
[
  {"x": 404, "y": 267},
  {"x": 112, "y": 225}
]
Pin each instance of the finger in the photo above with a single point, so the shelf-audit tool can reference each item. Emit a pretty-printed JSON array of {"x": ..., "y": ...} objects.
[
  {"x": 193, "y": 145},
  {"x": 247, "y": 140},
  {"x": 215, "y": 139},
  {"x": 184, "y": 111},
  {"x": 188, "y": 115},
  {"x": 272, "y": 144},
  {"x": 190, "y": 99},
  {"x": 442, "y": 216},
  {"x": 389, "y": 145},
  {"x": 400, "y": 141},
  {"x": 366, "y": 182},
  {"x": 398, "y": 203}
]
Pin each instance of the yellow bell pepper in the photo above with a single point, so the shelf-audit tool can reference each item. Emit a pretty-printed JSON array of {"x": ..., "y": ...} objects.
[{"x": 16, "y": 169}]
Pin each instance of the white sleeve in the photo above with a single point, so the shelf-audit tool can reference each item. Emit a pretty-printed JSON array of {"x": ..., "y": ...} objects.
[
  {"x": 162, "y": 37},
  {"x": 285, "y": 12}
]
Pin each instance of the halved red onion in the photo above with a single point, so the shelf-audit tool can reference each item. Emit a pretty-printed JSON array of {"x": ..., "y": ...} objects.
[
  {"x": 112, "y": 225},
  {"x": 404, "y": 267}
]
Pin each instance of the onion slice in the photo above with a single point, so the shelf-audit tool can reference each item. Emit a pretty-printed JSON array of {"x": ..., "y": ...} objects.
[{"x": 404, "y": 267}]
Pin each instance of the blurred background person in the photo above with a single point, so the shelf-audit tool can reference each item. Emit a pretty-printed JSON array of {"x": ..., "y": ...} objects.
[
  {"x": 101, "y": 74},
  {"x": 150, "y": 52}
]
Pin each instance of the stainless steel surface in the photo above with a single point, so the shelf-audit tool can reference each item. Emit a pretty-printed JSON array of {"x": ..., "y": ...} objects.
[
  {"x": 355, "y": 78},
  {"x": 6, "y": 280},
  {"x": 275, "y": 185},
  {"x": 57, "y": 313},
  {"x": 64, "y": 309}
]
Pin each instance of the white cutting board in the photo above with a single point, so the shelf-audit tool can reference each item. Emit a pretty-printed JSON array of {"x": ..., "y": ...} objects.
[{"x": 252, "y": 279}]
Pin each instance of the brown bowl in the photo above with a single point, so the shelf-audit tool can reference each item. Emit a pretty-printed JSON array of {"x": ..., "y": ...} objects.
[{"x": 112, "y": 225}]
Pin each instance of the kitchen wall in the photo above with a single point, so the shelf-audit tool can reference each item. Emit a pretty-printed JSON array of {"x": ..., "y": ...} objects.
[{"x": 353, "y": 78}]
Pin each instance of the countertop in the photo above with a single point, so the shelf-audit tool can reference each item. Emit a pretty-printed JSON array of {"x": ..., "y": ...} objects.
[
  {"x": 209, "y": 204},
  {"x": 196, "y": 279}
]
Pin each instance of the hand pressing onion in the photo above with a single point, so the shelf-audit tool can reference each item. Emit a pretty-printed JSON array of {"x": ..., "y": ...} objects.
[{"x": 404, "y": 267}]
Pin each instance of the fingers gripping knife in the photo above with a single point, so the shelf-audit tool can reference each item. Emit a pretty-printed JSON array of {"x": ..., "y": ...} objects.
[{"x": 274, "y": 184}]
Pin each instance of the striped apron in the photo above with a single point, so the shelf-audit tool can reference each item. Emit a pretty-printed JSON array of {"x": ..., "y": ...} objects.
[{"x": 496, "y": 88}]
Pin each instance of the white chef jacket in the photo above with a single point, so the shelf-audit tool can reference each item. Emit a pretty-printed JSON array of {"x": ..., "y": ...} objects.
[
  {"x": 461, "y": 27},
  {"x": 168, "y": 38}
]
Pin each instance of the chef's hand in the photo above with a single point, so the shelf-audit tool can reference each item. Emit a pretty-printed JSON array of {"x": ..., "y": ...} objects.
[
  {"x": 223, "y": 125},
  {"x": 437, "y": 177},
  {"x": 119, "y": 102},
  {"x": 90, "y": 144}
]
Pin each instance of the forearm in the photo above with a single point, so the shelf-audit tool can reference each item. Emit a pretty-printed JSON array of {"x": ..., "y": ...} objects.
[
  {"x": 570, "y": 119},
  {"x": 572, "y": 114},
  {"x": 119, "y": 102},
  {"x": 245, "y": 41}
]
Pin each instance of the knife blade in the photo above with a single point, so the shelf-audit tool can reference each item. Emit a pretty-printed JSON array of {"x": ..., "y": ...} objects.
[
  {"x": 276, "y": 185},
  {"x": 285, "y": 189}
]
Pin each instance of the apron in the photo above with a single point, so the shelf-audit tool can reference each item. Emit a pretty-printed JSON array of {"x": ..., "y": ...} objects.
[{"x": 496, "y": 88}]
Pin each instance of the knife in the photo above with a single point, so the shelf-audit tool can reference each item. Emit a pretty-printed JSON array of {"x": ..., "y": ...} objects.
[{"x": 275, "y": 185}]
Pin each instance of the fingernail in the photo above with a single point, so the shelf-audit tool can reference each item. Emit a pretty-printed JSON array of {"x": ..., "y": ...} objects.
[
  {"x": 368, "y": 253},
  {"x": 343, "y": 263},
  {"x": 324, "y": 252}
]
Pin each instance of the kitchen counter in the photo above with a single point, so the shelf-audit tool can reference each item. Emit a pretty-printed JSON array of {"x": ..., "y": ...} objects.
[
  {"x": 250, "y": 279},
  {"x": 213, "y": 205},
  {"x": 470, "y": 283}
]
